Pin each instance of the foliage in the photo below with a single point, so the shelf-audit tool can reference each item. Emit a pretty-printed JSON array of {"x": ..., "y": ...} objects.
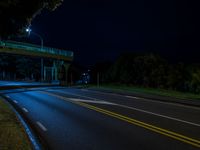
[
  {"x": 152, "y": 71},
  {"x": 100, "y": 69},
  {"x": 18, "y": 67},
  {"x": 195, "y": 81},
  {"x": 18, "y": 14}
]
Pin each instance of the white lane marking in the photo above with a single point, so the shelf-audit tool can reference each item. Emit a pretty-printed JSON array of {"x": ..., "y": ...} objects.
[
  {"x": 147, "y": 100},
  {"x": 159, "y": 115},
  {"x": 82, "y": 96},
  {"x": 15, "y": 101},
  {"x": 133, "y": 108},
  {"x": 41, "y": 126},
  {"x": 91, "y": 101},
  {"x": 25, "y": 110},
  {"x": 127, "y": 96},
  {"x": 115, "y": 94}
]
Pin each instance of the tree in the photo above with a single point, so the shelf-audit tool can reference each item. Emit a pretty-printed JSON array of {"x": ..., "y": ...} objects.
[
  {"x": 17, "y": 14},
  {"x": 195, "y": 81},
  {"x": 6, "y": 66},
  {"x": 26, "y": 67},
  {"x": 143, "y": 70},
  {"x": 3, "y": 65},
  {"x": 100, "y": 69},
  {"x": 122, "y": 70},
  {"x": 178, "y": 76}
]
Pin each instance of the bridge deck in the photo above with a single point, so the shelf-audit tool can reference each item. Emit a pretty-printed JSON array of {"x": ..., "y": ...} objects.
[{"x": 34, "y": 50}]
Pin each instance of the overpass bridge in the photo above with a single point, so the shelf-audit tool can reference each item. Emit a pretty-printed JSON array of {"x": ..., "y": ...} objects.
[{"x": 61, "y": 58}]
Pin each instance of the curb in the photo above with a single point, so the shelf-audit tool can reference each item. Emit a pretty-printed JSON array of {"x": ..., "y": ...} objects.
[
  {"x": 28, "y": 131},
  {"x": 26, "y": 86}
]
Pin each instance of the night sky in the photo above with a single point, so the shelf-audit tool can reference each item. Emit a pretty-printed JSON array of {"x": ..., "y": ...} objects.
[{"x": 99, "y": 30}]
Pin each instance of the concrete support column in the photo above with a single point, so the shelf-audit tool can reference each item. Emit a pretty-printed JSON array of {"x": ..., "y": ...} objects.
[
  {"x": 55, "y": 69},
  {"x": 45, "y": 74},
  {"x": 52, "y": 73},
  {"x": 56, "y": 64},
  {"x": 56, "y": 72},
  {"x": 42, "y": 69},
  {"x": 64, "y": 73},
  {"x": 66, "y": 65}
]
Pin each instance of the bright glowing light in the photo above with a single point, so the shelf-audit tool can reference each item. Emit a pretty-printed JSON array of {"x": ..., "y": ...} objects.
[{"x": 28, "y": 30}]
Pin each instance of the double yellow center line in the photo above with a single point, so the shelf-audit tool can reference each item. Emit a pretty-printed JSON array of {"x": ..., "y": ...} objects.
[
  {"x": 159, "y": 130},
  {"x": 165, "y": 132}
]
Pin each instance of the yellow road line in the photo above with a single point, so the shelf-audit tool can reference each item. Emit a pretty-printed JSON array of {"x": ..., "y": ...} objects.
[
  {"x": 144, "y": 125},
  {"x": 159, "y": 130}
]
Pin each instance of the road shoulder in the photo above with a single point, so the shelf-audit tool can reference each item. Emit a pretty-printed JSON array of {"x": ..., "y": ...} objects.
[
  {"x": 190, "y": 102},
  {"x": 12, "y": 133}
]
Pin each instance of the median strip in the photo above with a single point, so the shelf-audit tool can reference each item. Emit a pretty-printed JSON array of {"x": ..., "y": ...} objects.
[{"x": 156, "y": 129}]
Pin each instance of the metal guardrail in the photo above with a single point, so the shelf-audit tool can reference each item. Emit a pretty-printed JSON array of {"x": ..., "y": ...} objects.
[{"x": 32, "y": 47}]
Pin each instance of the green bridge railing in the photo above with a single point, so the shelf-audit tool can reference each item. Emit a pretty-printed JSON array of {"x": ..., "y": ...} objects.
[{"x": 33, "y": 47}]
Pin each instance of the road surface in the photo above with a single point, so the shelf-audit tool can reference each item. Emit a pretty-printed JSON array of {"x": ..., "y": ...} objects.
[{"x": 81, "y": 119}]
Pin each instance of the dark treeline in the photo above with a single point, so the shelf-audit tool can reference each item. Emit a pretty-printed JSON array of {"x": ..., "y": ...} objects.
[
  {"x": 150, "y": 70},
  {"x": 15, "y": 67},
  {"x": 18, "y": 14}
]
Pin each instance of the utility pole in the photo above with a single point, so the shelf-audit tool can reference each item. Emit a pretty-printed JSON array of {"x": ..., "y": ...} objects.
[
  {"x": 41, "y": 47},
  {"x": 71, "y": 79}
]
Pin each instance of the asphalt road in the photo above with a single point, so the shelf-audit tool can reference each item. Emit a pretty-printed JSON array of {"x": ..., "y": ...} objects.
[{"x": 81, "y": 119}]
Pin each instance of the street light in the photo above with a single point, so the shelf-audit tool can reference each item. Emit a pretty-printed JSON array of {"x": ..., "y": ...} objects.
[
  {"x": 31, "y": 32},
  {"x": 41, "y": 39}
]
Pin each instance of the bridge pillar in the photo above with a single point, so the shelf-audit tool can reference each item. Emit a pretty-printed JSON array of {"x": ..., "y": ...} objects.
[
  {"x": 42, "y": 69},
  {"x": 63, "y": 71},
  {"x": 54, "y": 71},
  {"x": 56, "y": 65},
  {"x": 66, "y": 65}
]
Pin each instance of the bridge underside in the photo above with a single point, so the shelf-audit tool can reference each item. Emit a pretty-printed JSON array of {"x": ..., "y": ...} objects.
[{"x": 56, "y": 72}]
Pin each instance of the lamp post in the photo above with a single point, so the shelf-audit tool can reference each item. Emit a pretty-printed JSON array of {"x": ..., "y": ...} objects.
[{"x": 41, "y": 40}]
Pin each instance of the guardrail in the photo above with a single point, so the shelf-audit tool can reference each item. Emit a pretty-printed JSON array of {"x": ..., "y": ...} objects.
[{"x": 32, "y": 47}]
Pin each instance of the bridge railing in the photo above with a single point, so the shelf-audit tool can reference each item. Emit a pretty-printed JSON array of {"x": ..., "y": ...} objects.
[{"x": 32, "y": 47}]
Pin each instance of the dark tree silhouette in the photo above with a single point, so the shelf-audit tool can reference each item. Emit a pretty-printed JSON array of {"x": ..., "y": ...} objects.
[{"x": 17, "y": 14}]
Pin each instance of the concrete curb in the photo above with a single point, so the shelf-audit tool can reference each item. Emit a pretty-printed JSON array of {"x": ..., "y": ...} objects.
[
  {"x": 26, "y": 86},
  {"x": 31, "y": 136}
]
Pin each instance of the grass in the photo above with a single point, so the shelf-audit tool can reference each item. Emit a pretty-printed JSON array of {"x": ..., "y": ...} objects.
[
  {"x": 153, "y": 91},
  {"x": 12, "y": 134}
]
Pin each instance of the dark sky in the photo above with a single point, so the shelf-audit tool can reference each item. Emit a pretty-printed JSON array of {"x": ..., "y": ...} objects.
[{"x": 98, "y": 30}]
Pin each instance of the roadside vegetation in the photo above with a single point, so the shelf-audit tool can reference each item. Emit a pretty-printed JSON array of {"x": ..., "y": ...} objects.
[
  {"x": 149, "y": 73},
  {"x": 12, "y": 134},
  {"x": 152, "y": 91}
]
